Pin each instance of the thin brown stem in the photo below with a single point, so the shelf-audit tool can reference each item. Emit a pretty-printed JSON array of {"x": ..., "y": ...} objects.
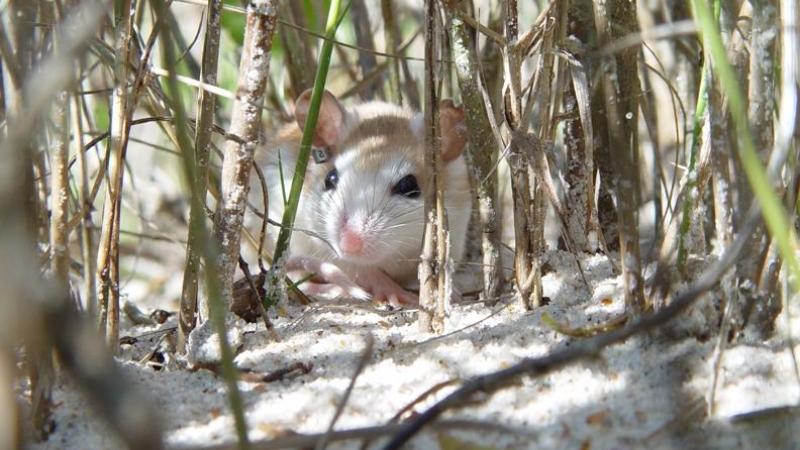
[
  {"x": 202, "y": 143},
  {"x": 429, "y": 270},
  {"x": 108, "y": 251}
]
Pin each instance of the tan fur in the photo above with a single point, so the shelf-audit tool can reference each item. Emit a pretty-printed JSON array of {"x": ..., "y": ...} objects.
[
  {"x": 369, "y": 136},
  {"x": 373, "y": 138}
]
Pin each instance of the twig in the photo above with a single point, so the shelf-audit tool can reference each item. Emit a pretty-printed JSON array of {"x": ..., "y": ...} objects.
[
  {"x": 431, "y": 270},
  {"x": 366, "y": 355},
  {"x": 588, "y": 331},
  {"x": 471, "y": 21},
  {"x": 428, "y": 392},
  {"x": 667, "y": 30},
  {"x": 621, "y": 90},
  {"x": 238, "y": 157},
  {"x": 308, "y": 440},
  {"x": 719, "y": 349},
  {"x": 134, "y": 339},
  {"x": 59, "y": 188},
  {"x": 245, "y": 123},
  {"x": 86, "y": 234},
  {"x": 391, "y": 38},
  {"x": 108, "y": 249},
  {"x": 324, "y": 37},
  {"x": 692, "y": 412},
  {"x": 277, "y": 374},
  {"x": 493, "y": 382},
  {"x": 257, "y": 295},
  {"x": 366, "y": 60},
  {"x": 187, "y": 318}
]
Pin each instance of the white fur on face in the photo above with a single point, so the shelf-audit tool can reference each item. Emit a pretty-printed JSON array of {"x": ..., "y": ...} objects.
[{"x": 390, "y": 225}]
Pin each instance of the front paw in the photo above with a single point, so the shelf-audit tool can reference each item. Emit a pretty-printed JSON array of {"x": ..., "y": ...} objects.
[
  {"x": 395, "y": 296},
  {"x": 323, "y": 279}
]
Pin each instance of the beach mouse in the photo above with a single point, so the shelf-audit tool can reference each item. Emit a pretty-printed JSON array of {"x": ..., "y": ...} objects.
[{"x": 360, "y": 224}]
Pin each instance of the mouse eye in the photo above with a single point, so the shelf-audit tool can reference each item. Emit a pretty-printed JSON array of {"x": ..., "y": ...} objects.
[
  {"x": 407, "y": 187},
  {"x": 331, "y": 179}
]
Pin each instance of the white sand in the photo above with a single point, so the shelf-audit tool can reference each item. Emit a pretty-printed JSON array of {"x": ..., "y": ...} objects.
[{"x": 648, "y": 392}]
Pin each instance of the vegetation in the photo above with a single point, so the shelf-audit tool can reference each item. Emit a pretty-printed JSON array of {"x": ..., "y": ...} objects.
[{"x": 664, "y": 138}]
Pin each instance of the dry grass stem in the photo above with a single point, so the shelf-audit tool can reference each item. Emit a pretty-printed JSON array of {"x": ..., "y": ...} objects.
[
  {"x": 108, "y": 249},
  {"x": 202, "y": 145}
]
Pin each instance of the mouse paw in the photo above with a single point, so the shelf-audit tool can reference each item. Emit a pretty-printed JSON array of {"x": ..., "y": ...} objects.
[
  {"x": 385, "y": 289},
  {"x": 330, "y": 291},
  {"x": 328, "y": 280},
  {"x": 395, "y": 296}
]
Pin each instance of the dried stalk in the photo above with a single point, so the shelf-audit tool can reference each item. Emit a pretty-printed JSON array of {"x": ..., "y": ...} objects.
[
  {"x": 490, "y": 63},
  {"x": 202, "y": 144},
  {"x": 481, "y": 151},
  {"x": 17, "y": 52},
  {"x": 717, "y": 118},
  {"x": 430, "y": 272},
  {"x": 622, "y": 91},
  {"x": 579, "y": 210},
  {"x": 245, "y": 124},
  {"x": 19, "y": 60},
  {"x": 690, "y": 191},
  {"x": 295, "y": 44},
  {"x": 366, "y": 60},
  {"x": 59, "y": 199},
  {"x": 391, "y": 38},
  {"x": 761, "y": 102},
  {"x": 546, "y": 87},
  {"x": 108, "y": 251},
  {"x": 790, "y": 73},
  {"x": 761, "y": 106},
  {"x": 59, "y": 182},
  {"x": 366, "y": 355},
  {"x": 84, "y": 202},
  {"x": 527, "y": 270}
]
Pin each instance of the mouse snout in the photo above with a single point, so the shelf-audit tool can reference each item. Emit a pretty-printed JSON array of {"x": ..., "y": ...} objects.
[{"x": 351, "y": 240}]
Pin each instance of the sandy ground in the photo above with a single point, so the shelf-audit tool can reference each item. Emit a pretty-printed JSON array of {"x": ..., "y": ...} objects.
[{"x": 648, "y": 392}]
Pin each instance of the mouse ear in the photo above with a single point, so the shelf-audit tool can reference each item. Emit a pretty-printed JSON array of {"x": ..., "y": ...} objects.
[
  {"x": 330, "y": 121},
  {"x": 453, "y": 129}
]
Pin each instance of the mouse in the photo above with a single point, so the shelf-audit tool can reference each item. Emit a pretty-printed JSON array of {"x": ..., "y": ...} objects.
[{"x": 359, "y": 226}]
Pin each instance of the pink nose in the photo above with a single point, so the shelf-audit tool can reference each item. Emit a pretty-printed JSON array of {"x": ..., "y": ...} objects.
[{"x": 351, "y": 242}]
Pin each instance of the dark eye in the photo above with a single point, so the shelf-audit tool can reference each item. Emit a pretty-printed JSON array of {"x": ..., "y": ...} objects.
[
  {"x": 331, "y": 179},
  {"x": 407, "y": 187}
]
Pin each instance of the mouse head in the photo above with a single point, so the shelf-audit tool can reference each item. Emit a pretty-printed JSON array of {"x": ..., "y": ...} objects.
[{"x": 367, "y": 199}]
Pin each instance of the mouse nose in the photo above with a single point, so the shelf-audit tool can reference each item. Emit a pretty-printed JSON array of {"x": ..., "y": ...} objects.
[{"x": 350, "y": 242}]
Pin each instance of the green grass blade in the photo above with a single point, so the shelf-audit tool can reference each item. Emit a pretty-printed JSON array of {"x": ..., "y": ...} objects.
[
  {"x": 775, "y": 216},
  {"x": 335, "y": 16}
]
